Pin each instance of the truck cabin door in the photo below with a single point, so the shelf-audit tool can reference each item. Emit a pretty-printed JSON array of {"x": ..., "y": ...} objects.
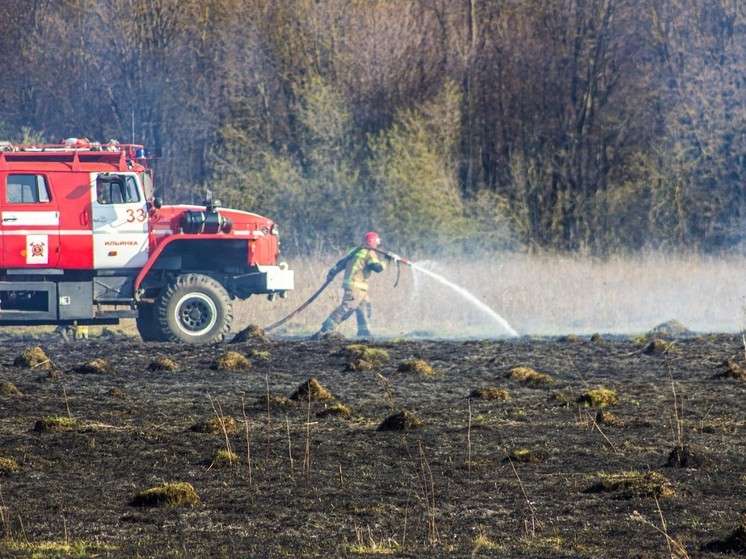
[
  {"x": 120, "y": 221},
  {"x": 30, "y": 233}
]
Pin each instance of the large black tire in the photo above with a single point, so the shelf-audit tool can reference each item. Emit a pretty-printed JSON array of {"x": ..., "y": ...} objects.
[
  {"x": 146, "y": 323},
  {"x": 195, "y": 309}
]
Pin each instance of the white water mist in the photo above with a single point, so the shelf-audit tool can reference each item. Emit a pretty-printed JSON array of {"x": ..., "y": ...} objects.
[{"x": 468, "y": 296}]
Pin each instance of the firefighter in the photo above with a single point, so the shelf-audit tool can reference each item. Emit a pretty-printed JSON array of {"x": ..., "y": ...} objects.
[{"x": 358, "y": 265}]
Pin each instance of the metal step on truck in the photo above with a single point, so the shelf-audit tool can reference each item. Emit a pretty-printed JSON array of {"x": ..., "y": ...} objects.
[{"x": 84, "y": 241}]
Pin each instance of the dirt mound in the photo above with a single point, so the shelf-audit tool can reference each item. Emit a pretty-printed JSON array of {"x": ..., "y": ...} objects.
[
  {"x": 95, "y": 366},
  {"x": 33, "y": 358},
  {"x": 659, "y": 347},
  {"x": 599, "y": 398},
  {"x": 735, "y": 543},
  {"x": 162, "y": 363},
  {"x": 336, "y": 410},
  {"x": 529, "y": 377},
  {"x": 9, "y": 389},
  {"x": 216, "y": 425},
  {"x": 671, "y": 330},
  {"x": 251, "y": 333},
  {"x": 180, "y": 494},
  {"x": 490, "y": 393},
  {"x": 8, "y": 466},
  {"x": 731, "y": 369},
  {"x": 402, "y": 421},
  {"x": 313, "y": 391},
  {"x": 416, "y": 367},
  {"x": 231, "y": 361}
]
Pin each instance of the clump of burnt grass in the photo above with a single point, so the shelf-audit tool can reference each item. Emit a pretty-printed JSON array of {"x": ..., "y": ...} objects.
[
  {"x": 364, "y": 358},
  {"x": 55, "y": 423},
  {"x": 252, "y": 333},
  {"x": 118, "y": 393},
  {"x": 216, "y": 425},
  {"x": 689, "y": 456},
  {"x": 628, "y": 485},
  {"x": 608, "y": 418},
  {"x": 224, "y": 458},
  {"x": 529, "y": 377},
  {"x": 33, "y": 358},
  {"x": 312, "y": 391},
  {"x": 731, "y": 370},
  {"x": 7, "y": 388},
  {"x": 96, "y": 366},
  {"x": 274, "y": 400},
  {"x": 232, "y": 361},
  {"x": 8, "y": 466},
  {"x": 490, "y": 393},
  {"x": 335, "y": 410},
  {"x": 162, "y": 363},
  {"x": 178, "y": 494},
  {"x": 402, "y": 421},
  {"x": 524, "y": 455},
  {"x": 660, "y": 347},
  {"x": 418, "y": 367},
  {"x": 51, "y": 376},
  {"x": 599, "y": 398}
]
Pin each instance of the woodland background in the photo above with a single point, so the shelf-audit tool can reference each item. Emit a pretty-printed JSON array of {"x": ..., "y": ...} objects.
[{"x": 575, "y": 126}]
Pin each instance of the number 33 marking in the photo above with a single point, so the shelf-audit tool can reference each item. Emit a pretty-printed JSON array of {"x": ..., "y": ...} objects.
[{"x": 136, "y": 215}]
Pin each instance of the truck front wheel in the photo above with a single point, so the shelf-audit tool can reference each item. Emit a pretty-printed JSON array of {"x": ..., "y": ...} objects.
[{"x": 195, "y": 309}]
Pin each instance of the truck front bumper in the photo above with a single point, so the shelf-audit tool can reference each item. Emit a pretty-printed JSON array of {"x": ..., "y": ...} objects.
[{"x": 268, "y": 279}]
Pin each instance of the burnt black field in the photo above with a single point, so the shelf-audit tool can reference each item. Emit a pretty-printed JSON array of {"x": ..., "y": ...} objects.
[{"x": 538, "y": 471}]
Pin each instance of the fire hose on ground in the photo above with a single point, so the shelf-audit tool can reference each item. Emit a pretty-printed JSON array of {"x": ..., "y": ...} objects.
[{"x": 394, "y": 257}]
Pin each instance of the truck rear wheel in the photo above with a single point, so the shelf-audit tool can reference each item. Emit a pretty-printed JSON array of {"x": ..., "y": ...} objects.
[{"x": 195, "y": 309}]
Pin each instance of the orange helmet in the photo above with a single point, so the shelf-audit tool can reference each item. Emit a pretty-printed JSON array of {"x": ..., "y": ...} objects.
[{"x": 372, "y": 239}]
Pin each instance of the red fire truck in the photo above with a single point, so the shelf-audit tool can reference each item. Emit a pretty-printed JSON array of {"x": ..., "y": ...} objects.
[{"x": 83, "y": 241}]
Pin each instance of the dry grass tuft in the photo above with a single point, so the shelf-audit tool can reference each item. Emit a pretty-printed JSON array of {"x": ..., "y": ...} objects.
[
  {"x": 336, "y": 410},
  {"x": 33, "y": 358},
  {"x": 231, "y": 361},
  {"x": 7, "y": 388},
  {"x": 490, "y": 393},
  {"x": 634, "y": 484},
  {"x": 731, "y": 369},
  {"x": 525, "y": 455},
  {"x": 180, "y": 494},
  {"x": 162, "y": 363},
  {"x": 416, "y": 367},
  {"x": 8, "y": 466},
  {"x": 55, "y": 423},
  {"x": 402, "y": 421},
  {"x": 659, "y": 347},
  {"x": 216, "y": 425},
  {"x": 530, "y": 377},
  {"x": 599, "y": 398},
  {"x": 311, "y": 390},
  {"x": 96, "y": 366}
]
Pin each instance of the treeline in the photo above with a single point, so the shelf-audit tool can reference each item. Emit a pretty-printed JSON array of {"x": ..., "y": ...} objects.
[{"x": 571, "y": 125}]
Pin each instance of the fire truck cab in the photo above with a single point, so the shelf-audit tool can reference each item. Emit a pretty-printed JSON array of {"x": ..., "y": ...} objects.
[{"x": 84, "y": 241}]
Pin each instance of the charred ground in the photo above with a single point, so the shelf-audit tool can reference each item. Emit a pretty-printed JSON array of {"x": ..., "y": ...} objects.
[{"x": 478, "y": 460}]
